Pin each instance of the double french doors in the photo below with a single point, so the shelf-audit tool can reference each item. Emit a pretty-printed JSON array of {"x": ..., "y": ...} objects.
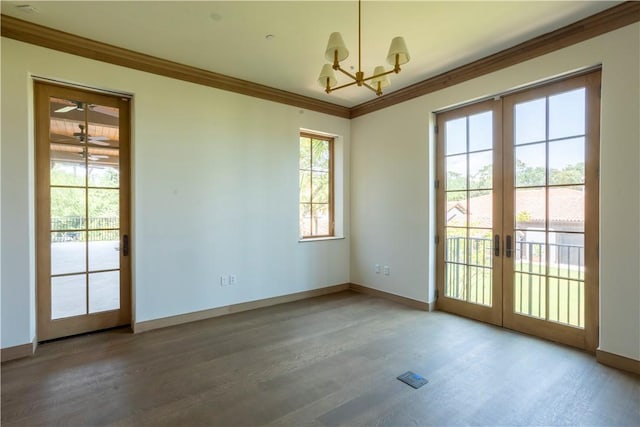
[
  {"x": 82, "y": 226},
  {"x": 518, "y": 211}
]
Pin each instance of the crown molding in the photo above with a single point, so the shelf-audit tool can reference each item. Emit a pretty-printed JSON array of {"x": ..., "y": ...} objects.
[
  {"x": 39, "y": 35},
  {"x": 608, "y": 20}
]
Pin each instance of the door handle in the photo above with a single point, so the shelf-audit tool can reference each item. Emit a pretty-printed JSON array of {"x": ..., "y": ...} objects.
[
  {"x": 125, "y": 245},
  {"x": 508, "y": 251},
  {"x": 496, "y": 245}
]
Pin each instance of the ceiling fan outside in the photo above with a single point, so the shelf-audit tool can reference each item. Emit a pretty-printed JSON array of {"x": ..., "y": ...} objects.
[
  {"x": 73, "y": 105},
  {"x": 84, "y": 137},
  {"x": 92, "y": 157},
  {"x": 77, "y": 105}
]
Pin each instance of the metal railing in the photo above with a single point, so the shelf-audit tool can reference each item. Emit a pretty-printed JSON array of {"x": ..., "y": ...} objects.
[
  {"x": 468, "y": 273},
  {"x": 75, "y": 228},
  {"x": 549, "y": 277}
]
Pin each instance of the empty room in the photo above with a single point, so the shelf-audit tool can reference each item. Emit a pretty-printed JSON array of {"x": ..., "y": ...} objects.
[{"x": 322, "y": 213}]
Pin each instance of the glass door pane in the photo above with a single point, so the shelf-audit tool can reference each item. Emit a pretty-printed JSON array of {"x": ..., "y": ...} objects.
[
  {"x": 549, "y": 207},
  {"x": 84, "y": 207},
  {"x": 468, "y": 171}
]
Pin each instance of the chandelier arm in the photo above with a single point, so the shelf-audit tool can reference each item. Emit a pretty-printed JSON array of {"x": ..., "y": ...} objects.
[
  {"x": 372, "y": 88},
  {"x": 396, "y": 67},
  {"x": 347, "y": 73},
  {"x": 343, "y": 86},
  {"x": 379, "y": 89},
  {"x": 328, "y": 86}
]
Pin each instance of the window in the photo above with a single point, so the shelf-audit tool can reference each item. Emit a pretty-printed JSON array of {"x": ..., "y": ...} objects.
[{"x": 316, "y": 186}]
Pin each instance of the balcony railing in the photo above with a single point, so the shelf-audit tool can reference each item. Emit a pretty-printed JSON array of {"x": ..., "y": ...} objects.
[
  {"x": 548, "y": 277},
  {"x": 75, "y": 228},
  {"x": 481, "y": 252}
]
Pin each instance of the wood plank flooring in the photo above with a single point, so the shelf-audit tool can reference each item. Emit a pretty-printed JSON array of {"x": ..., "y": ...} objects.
[{"x": 326, "y": 361}]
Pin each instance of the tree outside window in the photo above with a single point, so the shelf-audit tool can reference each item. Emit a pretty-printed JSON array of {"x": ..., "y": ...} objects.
[{"x": 316, "y": 186}]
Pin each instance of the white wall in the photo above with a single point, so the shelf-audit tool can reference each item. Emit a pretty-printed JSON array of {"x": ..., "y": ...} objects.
[
  {"x": 215, "y": 156},
  {"x": 215, "y": 184},
  {"x": 391, "y": 174}
]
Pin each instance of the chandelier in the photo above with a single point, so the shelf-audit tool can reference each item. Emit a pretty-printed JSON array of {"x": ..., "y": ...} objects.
[{"x": 337, "y": 52}]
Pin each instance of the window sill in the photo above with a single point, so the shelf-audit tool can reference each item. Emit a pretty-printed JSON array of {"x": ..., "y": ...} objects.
[{"x": 320, "y": 239}]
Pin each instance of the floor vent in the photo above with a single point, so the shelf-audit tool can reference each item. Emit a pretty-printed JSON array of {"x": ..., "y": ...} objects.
[{"x": 412, "y": 379}]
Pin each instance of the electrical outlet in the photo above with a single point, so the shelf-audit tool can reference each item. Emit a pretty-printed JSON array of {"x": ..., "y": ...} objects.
[
  {"x": 387, "y": 270},
  {"x": 233, "y": 279},
  {"x": 377, "y": 268},
  {"x": 224, "y": 280}
]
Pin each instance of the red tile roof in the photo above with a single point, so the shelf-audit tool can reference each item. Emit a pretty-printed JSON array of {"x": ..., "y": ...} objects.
[{"x": 566, "y": 204}]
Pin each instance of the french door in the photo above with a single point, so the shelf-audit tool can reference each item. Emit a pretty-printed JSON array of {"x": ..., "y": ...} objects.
[
  {"x": 517, "y": 211},
  {"x": 82, "y": 219},
  {"x": 469, "y": 276}
]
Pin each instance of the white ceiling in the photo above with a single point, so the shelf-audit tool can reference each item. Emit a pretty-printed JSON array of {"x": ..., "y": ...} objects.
[{"x": 228, "y": 37}]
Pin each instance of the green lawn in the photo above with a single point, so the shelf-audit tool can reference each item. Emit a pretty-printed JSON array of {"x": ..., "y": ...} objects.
[{"x": 558, "y": 296}]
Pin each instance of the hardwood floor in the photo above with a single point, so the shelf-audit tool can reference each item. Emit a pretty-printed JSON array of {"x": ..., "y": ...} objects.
[{"x": 326, "y": 361}]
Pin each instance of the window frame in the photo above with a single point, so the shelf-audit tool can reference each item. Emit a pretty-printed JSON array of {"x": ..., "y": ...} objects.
[{"x": 331, "y": 197}]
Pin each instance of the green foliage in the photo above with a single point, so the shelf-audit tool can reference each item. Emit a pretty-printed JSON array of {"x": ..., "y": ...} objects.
[
  {"x": 104, "y": 177},
  {"x": 570, "y": 174},
  {"x": 529, "y": 176},
  {"x": 456, "y": 181},
  {"x": 314, "y": 170},
  {"x": 525, "y": 176},
  {"x": 483, "y": 178},
  {"x": 305, "y": 153},
  {"x": 70, "y": 202},
  {"x": 320, "y": 155}
]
